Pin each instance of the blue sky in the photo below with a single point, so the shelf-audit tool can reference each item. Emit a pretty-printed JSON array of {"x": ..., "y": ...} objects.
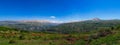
[{"x": 60, "y": 10}]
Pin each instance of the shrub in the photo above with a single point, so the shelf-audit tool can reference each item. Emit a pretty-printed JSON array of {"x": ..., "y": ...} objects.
[
  {"x": 12, "y": 41},
  {"x": 21, "y": 37}
]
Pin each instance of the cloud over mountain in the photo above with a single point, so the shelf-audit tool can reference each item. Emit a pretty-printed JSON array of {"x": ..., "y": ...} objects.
[{"x": 53, "y": 17}]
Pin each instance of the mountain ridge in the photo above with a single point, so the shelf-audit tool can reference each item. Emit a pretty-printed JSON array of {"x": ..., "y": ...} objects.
[{"x": 79, "y": 26}]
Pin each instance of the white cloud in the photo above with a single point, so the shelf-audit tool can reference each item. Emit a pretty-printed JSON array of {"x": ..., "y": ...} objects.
[
  {"x": 53, "y": 17},
  {"x": 57, "y": 21}
]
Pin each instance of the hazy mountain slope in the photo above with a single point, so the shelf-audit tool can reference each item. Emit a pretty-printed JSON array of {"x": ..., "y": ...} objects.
[
  {"x": 27, "y": 25},
  {"x": 84, "y": 26},
  {"x": 73, "y": 27}
]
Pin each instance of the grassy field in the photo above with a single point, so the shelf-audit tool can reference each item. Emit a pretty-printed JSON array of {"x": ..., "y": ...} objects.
[{"x": 15, "y": 37}]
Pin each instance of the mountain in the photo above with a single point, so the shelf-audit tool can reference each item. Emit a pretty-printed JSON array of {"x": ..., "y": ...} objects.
[
  {"x": 71, "y": 27},
  {"x": 84, "y": 26},
  {"x": 34, "y": 25}
]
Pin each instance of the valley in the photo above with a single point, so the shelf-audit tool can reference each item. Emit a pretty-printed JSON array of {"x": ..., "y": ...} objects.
[{"x": 89, "y": 32}]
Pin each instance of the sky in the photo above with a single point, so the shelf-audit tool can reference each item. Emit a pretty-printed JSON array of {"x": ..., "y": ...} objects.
[{"x": 59, "y": 10}]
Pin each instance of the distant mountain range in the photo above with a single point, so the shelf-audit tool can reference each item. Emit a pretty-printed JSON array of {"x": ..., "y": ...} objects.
[
  {"x": 71, "y": 27},
  {"x": 28, "y": 25},
  {"x": 84, "y": 26}
]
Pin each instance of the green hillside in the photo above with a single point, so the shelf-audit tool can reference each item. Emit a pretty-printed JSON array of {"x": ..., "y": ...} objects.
[
  {"x": 105, "y": 36},
  {"x": 84, "y": 26},
  {"x": 106, "y": 32}
]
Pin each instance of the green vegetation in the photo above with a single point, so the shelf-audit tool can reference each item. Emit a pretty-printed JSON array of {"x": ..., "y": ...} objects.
[
  {"x": 105, "y": 36},
  {"x": 107, "y": 33}
]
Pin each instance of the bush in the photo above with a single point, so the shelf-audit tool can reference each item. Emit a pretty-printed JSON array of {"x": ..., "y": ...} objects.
[
  {"x": 12, "y": 41},
  {"x": 21, "y": 37}
]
